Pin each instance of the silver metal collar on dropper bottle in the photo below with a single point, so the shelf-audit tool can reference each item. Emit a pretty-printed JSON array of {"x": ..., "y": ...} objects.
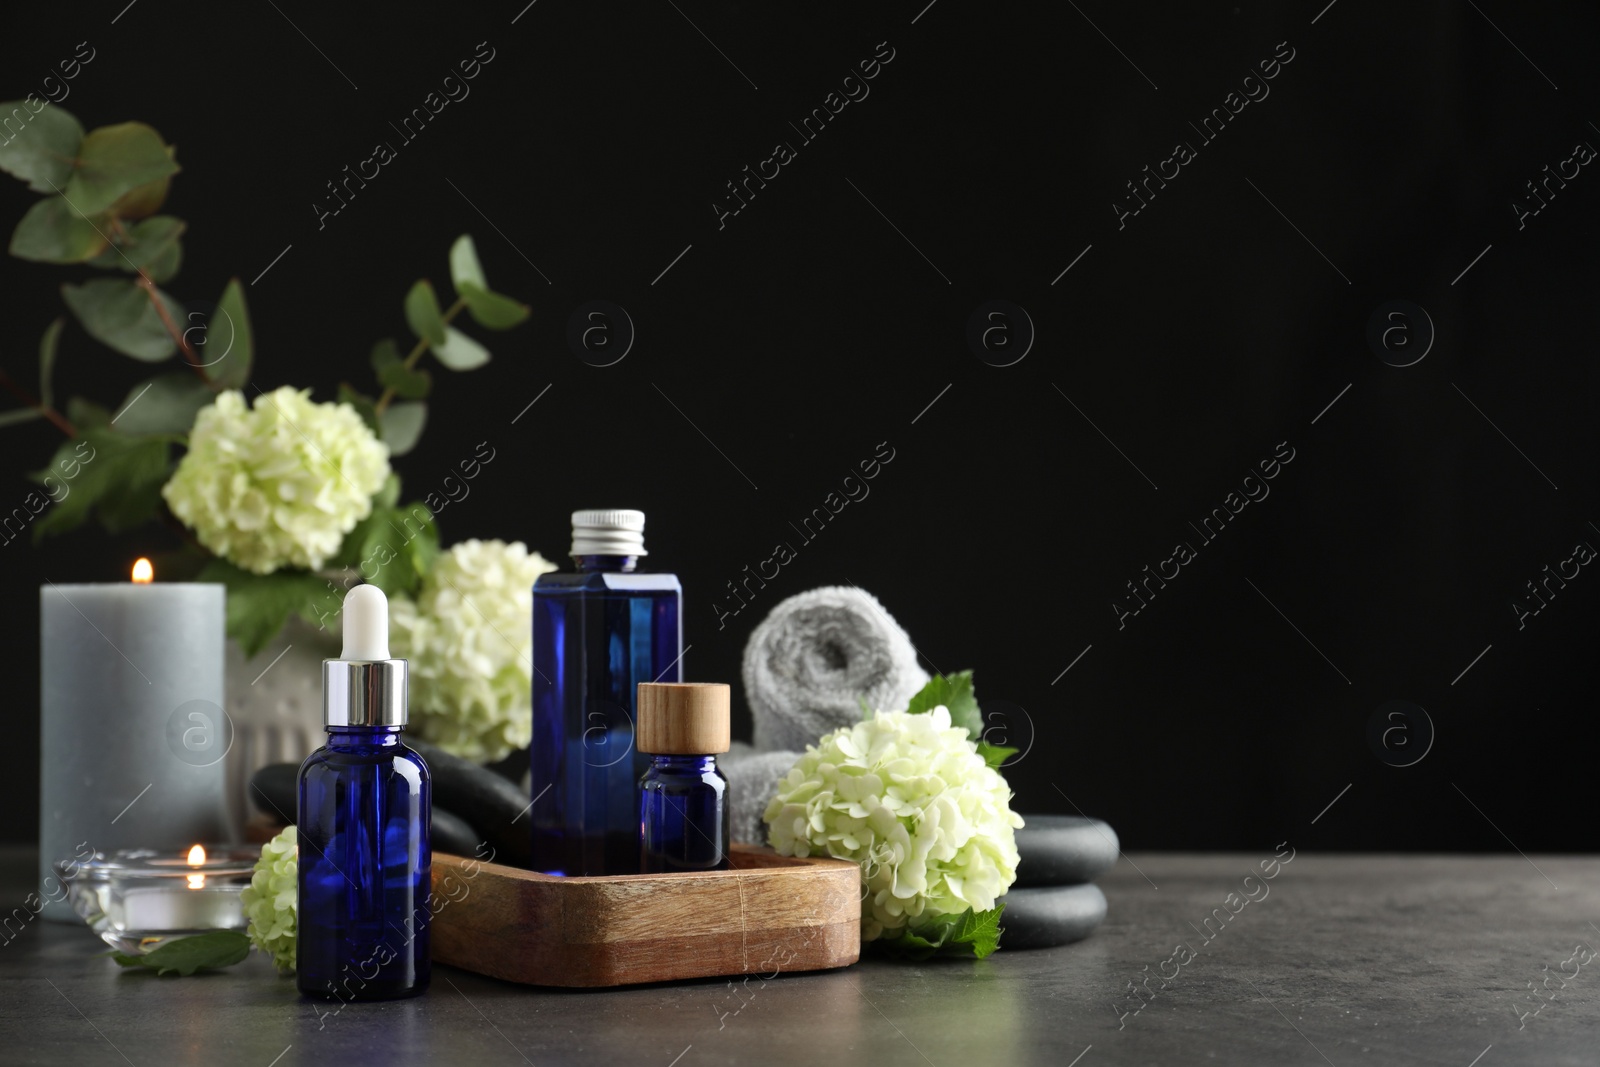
[{"x": 364, "y": 687}]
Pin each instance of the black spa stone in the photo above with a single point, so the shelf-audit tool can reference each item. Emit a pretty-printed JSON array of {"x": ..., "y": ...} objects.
[
  {"x": 451, "y": 833},
  {"x": 1050, "y": 915},
  {"x": 1064, "y": 850},
  {"x": 273, "y": 790}
]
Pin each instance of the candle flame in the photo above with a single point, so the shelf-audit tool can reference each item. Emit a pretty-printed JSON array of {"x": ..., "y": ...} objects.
[
  {"x": 143, "y": 573},
  {"x": 197, "y": 856}
]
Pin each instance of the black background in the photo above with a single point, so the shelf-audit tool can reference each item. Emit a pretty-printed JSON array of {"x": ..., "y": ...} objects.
[{"x": 809, "y": 330}]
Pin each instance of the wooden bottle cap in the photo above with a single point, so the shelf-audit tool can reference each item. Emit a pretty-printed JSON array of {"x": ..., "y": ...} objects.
[{"x": 682, "y": 718}]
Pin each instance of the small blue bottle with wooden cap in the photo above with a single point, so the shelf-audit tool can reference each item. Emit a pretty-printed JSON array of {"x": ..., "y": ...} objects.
[{"x": 684, "y": 814}]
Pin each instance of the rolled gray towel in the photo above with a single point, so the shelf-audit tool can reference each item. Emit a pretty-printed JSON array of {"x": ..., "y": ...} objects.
[
  {"x": 815, "y": 657},
  {"x": 752, "y": 779}
]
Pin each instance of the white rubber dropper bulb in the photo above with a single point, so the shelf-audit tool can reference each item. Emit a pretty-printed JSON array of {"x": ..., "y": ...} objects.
[{"x": 366, "y": 624}]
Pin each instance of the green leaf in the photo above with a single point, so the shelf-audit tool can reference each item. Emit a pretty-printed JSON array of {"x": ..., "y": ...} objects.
[
  {"x": 402, "y": 426},
  {"x": 259, "y": 604},
  {"x": 186, "y": 955},
  {"x": 167, "y": 404},
  {"x": 416, "y": 546},
  {"x": 393, "y": 548},
  {"x": 393, "y": 373},
  {"x": 866, "y": 709},
  {"x": 146, "y": 199},
  {"x": 114, "y": 160},
  {"x": 42, "y": 153},
  {"x": 460, "y": 352},
  {"x": 492, "y": 310},
  {"x": 995, "y": 755},
  {"x": 981, "y": 930},
  {"x": 52, "y": 232},
  {"x": 970, "y": 934},
  {"x": 464, "y": 266},
  {"x": 164, "y": 268},
  {"x": 364, "y": 406},
  {"x": 229, "y": 347},
  {"x": 113, "y": 476},
  {"x": 143, "y": 246},
  {"x": 47, "y": 363},
  {"x": 954, "y": 692},
  {"x": 116, "y": 312},
  {"x": 422, "y": 313},
  {"x": 389, "y": 494}
]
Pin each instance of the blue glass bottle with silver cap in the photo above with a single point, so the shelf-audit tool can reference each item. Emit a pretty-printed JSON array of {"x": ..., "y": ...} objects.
[
  {"x": 597, "y": 634},
  {"x": 365, "y": 814}
]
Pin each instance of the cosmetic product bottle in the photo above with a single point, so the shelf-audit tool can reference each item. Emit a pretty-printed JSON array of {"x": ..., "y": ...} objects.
[
  {"x": 684, "y": 813},
  {"x": 365, "y": 856},
  {"x": 597, "y": 634}
]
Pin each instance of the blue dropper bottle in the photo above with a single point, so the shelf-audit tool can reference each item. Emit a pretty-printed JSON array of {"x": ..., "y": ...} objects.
[{"x": 366, "y": 862}]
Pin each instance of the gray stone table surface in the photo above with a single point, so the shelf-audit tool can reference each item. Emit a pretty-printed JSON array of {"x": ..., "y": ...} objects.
[{"x": 1347, "y": 959}]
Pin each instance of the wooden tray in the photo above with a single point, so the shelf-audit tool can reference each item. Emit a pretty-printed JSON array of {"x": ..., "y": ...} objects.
[{"x": 770, "y": 913}]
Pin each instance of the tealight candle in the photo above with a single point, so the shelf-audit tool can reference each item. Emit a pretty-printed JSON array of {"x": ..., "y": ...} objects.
[
  {"x": 132, "y": 731},
  {"x": 138, "y": 899},
  {"x": 191, "y": 906}
]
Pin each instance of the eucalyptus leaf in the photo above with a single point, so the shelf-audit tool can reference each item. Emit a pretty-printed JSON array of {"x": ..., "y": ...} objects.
[
  {"x": 167, "y": 404},
  {"x": 114, "y": 160},
  {"x": 20, "y": 415},
  {"x": 460, "y": 352},
  {"x": 42, "y": 152},
  {"x": 422, "y": 313},
  {"x": 492, "y": 310},
  {"x": 402, "y": 426},
  {"x": 142, "y": 244},
  {"x": 259, "y": 604},
  {"x": 47, "y": 362},
  {"x": 53, "y": 232},
  {"x": 164, "y": 267},
  {"x": 229, "y": 348},
  {"x": 413, "y": 384},
  {"x": 186, "y": 955},
  {"x": 116, "y": 312},
  {"x": 464, "y": 266},
  {"x": 146, "y": 199}
]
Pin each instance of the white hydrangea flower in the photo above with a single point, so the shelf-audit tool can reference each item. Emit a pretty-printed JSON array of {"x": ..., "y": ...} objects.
[
  {"x": 469, "y": 637},
  {"x": 272, "y": 899},
  {"x": 908, "y": 798},
  {"x": 279, "y": 485}
]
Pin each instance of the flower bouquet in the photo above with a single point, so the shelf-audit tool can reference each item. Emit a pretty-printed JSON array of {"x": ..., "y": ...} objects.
[{"x": 286, "y": 501}]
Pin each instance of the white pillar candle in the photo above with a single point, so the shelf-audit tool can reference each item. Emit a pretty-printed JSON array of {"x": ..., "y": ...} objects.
[{"x": 132, "y": 731}]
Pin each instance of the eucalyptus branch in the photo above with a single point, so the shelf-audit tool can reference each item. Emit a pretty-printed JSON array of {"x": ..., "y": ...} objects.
[
  {"x": 177, "y": 335},
  {"x": 31, "y": 401},
  {"x": 415, "y": 355}
]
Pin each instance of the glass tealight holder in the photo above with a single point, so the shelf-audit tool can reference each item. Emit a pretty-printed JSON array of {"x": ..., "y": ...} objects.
[{"x": 137, "y": 899}]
